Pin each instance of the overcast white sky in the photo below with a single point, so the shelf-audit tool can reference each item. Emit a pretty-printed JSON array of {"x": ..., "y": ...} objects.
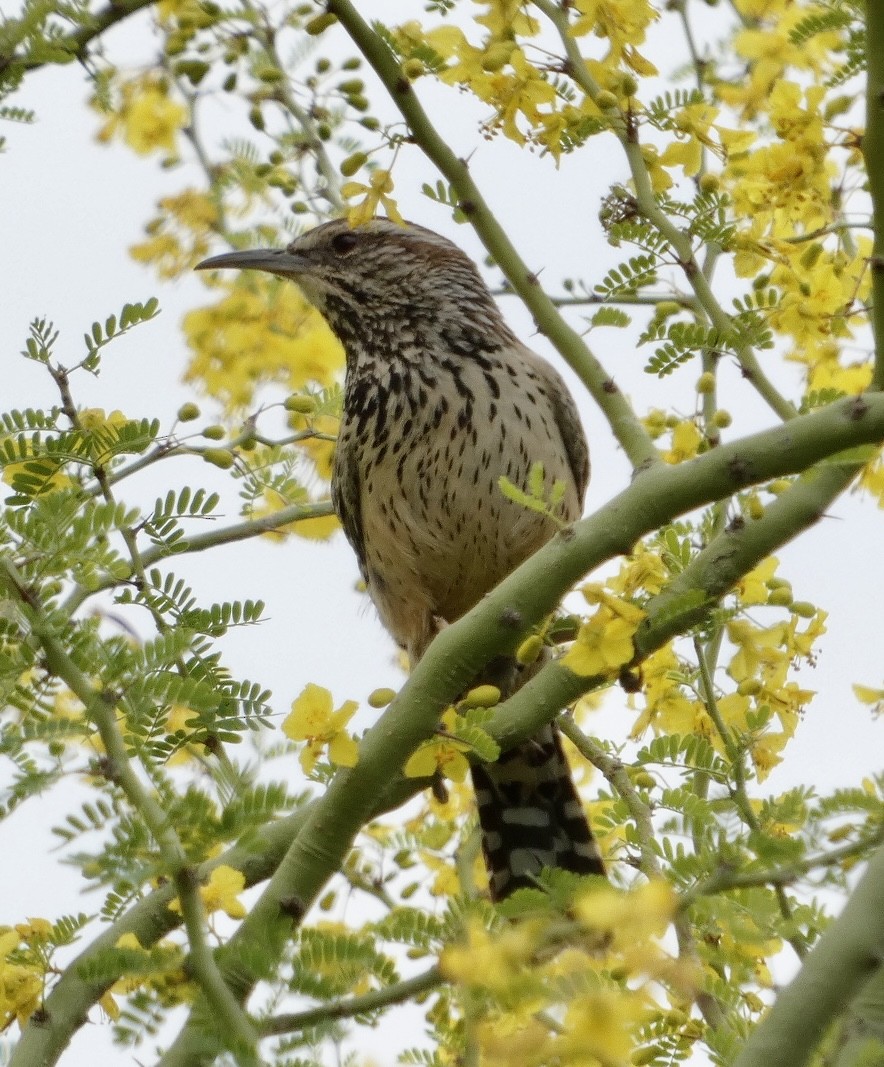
[{"x": 69, "y": 209}]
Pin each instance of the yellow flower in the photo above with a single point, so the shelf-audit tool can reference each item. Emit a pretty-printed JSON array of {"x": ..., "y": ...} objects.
[
  {"x": 377, "y": 193},
  {"x": 440, "y": 755},
  {"x": 147, "y": 117},
  {"x": 638, "y": 915},
  {"x": 604, "y": 643},
  {"x": 686, "y": 439},
  {"x": 37, "y": 475},
  {"x": 313, "y": 720},
  {"x": 752, "y": 587},
  {"x": 262, "y": 330},
  {"x": 489, "y": 960},
  {"x": 220, "y": 893},
  {"x": 871, "y": 696},
  {"x": 642, "y": 571},
  {"x": 34, "y": 931},
  {"x": 100, "y": 431},
  {"x": 178, "y": 237},
  {"x": 21, "y": 985},
  {"x": 757, "y": 649}
]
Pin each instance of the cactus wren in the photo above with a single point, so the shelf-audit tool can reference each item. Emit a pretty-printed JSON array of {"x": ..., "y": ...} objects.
[{"x": 441, "y": 399}]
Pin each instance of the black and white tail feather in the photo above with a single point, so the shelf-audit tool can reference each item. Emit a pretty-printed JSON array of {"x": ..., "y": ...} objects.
[{"x": 531, "y": 815}]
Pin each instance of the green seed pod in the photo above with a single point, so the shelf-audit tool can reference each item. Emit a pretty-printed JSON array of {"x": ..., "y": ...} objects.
[
  {"x": 483, "y": 696},
  {"x": 214, "y": 433},
  {"x": 629, "y": 85},
  {"x": 497, "y": 56},
  {"x": 219, "y": 457},
  {"x": 321, "y": 23},
  {"x": 192, "y": 69},
  {"x": 803, "y": 609},
  {"x": 380, "y": 698},
  {"x": 529, "y": 650},
  {"x": 188, "y": 412},
  {"x": 749, "y": 687},
  {"x": 298, "y": 402},
  {"x": 352, "y": 164},
  {"x": 754, "y": 507}
]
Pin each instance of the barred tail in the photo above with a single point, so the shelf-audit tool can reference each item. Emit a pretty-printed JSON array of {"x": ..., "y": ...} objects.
[{"x": 531, "y": 815}]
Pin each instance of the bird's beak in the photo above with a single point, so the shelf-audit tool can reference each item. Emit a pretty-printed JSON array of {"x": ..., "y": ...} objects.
[{"x": 273, "y": 260}]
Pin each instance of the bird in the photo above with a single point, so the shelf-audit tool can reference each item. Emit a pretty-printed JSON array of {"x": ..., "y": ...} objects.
[{"x": 442, "y": 400}]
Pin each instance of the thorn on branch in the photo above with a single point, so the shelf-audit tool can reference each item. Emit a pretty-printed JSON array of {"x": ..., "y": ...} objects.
[
  {"x": 293, "y": 907},
  {"x": 105, "y": 768},
  {"x": 739, "y": 470},
  {"x": 630, "y": 680},
  {"x": 858, "y": 409}
]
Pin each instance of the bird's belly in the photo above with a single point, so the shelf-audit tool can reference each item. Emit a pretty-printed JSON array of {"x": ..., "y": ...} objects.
[{"x": 439, "y": 532}]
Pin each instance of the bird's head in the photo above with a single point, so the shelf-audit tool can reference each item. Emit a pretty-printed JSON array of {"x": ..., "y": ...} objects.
[{"x": 378, "y": 276}]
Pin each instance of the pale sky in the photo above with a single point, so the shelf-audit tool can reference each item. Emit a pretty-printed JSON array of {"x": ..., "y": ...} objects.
[{"x": 70, "y": 208}]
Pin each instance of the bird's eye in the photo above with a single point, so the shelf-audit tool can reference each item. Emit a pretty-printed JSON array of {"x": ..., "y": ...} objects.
[{"x": 345, "y": 242}]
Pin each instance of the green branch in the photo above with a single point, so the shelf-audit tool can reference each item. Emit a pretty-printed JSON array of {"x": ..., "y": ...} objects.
[
  {"x": 626, "y": 427},
  {"x": 361, "y": 1005},
  {"x": 873, "y": 151},
  {"x": 495, "y": 626},
  {"x": 618, "y": 777},
  {"x": 846, "y": 957},
  {"x": 76, "y": 44},
  {"x": 727, "y": 878},
  {"x": 736, "y": 753},
  {"x": 239, "y": 531},
  {"x": 686, "y": 602}
]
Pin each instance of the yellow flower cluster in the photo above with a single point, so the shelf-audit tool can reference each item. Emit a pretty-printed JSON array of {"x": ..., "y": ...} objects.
[
  {"x": 520, "y": 979},
  {"x": 766, "y": 706},
  {"x": 21, "y": 977},
  {"x": 261, "y": 331},
  {"x": 146, "y": 117},
  {"x": 500, "y": 72},
  {"x": 180, "y": 236},
  {"x": 766, "y": 44},
  {"x": 786, "y": 186},
  {"x": 785, "y": 192}
]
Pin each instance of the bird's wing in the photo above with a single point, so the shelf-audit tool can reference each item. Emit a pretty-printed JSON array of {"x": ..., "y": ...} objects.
[
  {"x": 568, "y": 421},
  {"x": 346, "y": 494}
]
